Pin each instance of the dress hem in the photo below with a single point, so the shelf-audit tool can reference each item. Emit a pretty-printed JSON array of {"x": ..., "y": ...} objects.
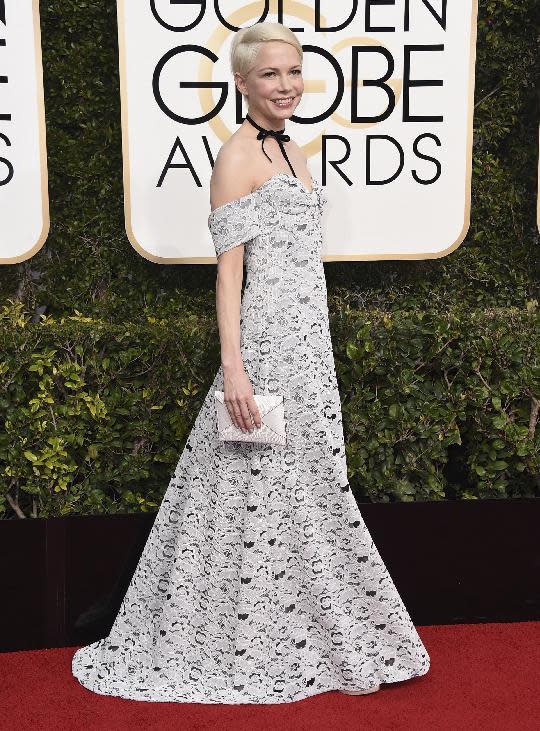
[{"x": 240, "y": 699}]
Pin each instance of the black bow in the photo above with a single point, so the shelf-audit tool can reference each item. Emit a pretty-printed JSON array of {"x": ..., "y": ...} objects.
[
  {"x": 280, "y": 137},
  {"x": 277, "y": 134}
]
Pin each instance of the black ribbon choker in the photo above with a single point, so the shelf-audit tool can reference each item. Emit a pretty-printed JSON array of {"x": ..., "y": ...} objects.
[{"x": 279, "y": 136}]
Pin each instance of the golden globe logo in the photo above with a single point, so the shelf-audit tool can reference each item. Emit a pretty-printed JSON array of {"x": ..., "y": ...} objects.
[{"x": 386, "y": 120}]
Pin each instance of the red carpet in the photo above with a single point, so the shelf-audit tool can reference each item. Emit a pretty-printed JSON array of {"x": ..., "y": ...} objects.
[{"x": 482, "y": 676}]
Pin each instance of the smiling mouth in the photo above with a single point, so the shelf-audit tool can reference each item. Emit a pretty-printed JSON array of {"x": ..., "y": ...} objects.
[{"x": 284, "y": 102}]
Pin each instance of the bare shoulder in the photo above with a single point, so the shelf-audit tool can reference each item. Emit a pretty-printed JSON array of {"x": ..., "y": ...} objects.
[{"x": 231, "y": 177}]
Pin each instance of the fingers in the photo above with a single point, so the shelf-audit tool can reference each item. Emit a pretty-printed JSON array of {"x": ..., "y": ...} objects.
[
  {"x": 237, "y": 416},
  {"x": 255, "y": 412},
  {"x": 244, "y": 413}
]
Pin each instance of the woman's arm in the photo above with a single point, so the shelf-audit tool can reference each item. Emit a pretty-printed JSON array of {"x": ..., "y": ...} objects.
[{"x": 230, "y": 181}]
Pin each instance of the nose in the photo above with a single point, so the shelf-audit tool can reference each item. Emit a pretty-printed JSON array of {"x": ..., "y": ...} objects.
[{"x": 284, "y": 83}]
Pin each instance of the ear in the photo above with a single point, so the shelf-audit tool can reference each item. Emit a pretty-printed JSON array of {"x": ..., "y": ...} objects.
[{"x": 240, "y": 84}]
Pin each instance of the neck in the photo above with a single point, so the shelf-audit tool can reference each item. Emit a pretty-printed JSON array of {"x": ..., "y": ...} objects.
[{"x": 274, "y": 125}]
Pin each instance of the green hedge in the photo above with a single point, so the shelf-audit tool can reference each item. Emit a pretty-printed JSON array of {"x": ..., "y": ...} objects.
[{"x": 95, "y": 415}]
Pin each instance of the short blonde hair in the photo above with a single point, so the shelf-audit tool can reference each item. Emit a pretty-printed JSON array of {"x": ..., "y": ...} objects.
[{"x": 247, "y": 42}]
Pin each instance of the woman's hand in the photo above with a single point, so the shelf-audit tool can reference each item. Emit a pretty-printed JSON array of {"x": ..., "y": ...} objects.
[{"x": 238, "y": 398}]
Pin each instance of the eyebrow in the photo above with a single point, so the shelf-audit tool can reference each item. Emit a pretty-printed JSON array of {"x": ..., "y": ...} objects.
[{"x": 272, "y": 68}]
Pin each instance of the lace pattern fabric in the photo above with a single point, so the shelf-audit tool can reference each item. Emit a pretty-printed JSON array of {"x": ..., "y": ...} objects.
[{"x": 260, "y": 582}]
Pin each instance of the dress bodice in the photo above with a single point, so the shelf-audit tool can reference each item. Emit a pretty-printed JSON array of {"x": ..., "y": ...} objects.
[
  {"x": 284, "y": 304},
  {"x": 278, "y": 210}
]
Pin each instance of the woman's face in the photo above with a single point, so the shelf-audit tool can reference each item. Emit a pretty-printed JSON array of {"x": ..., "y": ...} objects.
[{"x": 276, "y": 75}]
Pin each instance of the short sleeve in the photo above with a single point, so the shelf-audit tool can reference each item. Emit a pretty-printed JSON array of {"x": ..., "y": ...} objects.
[{"x": 234, "y": 223}]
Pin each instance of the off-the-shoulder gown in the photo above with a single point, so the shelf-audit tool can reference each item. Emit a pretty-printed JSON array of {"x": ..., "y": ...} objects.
[{"x": 260, "y": 582}]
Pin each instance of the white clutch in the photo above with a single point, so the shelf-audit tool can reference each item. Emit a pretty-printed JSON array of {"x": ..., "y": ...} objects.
[{"x": 272, "y": 429}]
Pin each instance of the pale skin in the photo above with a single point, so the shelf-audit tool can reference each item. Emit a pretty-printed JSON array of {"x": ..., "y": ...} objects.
[{"x": 239, "y": 169}]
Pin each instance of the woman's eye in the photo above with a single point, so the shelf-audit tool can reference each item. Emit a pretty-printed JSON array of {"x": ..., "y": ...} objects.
[{"x": 271, "y": 73}]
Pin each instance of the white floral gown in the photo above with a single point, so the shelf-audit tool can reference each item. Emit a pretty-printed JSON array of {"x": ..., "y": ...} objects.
[{"x": 260, "y": 582}]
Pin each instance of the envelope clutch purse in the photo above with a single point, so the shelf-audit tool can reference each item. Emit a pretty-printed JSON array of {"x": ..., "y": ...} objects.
[{"x": 272, "y": 429}]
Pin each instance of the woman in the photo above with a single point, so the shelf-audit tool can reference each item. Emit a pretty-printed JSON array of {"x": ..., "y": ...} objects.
[{"x": 259, "y": 582}]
